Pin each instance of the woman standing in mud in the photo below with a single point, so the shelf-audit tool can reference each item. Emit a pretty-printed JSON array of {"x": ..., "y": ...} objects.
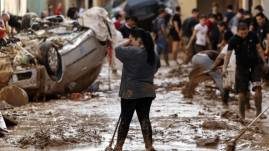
[{"x": 140, "y": 63}]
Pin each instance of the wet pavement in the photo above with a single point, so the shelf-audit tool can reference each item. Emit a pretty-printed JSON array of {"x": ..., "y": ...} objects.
[{"x": 179, "y": 124}]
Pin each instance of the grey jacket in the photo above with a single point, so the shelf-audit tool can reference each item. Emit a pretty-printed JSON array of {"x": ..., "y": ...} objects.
[{"x": 137, "y": 75}]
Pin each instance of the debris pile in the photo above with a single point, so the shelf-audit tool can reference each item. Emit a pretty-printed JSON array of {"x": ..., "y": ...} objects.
[{"x": 59, "y": 136}]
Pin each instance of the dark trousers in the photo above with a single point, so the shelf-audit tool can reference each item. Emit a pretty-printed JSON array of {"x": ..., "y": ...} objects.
[
  {"x": 199, "y": 48},
  {"x": 142, "y": 108}
]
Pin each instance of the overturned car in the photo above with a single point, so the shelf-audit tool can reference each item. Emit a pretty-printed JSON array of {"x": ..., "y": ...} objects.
[{"x": 66, "y": 57}]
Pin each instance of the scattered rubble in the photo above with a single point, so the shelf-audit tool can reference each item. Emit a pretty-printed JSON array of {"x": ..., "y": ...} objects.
[{"x": 59, "y": 136}]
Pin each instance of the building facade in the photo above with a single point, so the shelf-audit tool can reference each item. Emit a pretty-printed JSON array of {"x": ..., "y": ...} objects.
[
  {"x": 20, "y": 7},
  {"x": 205, "y": 5},
  {"x": 17, "y": 7}
]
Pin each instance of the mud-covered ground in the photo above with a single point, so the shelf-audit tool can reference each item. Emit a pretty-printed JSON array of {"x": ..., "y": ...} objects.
[{"x": 86, "y": 123}]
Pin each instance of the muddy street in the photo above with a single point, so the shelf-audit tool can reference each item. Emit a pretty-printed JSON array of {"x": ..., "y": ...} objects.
[{"x": 87, "y": 122}]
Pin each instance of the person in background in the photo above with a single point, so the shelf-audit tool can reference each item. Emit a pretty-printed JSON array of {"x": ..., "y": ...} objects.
[
  {"x": 175, "y": 33},
  {"x": 4, "y": 29},
  {"x": 262, "y": 31},
  {"x": 119, "y": 19},
  {"x": 72, "y": 12},
  {"x": 249, "y": 62},
  {"x": 215, "y": 12},
  {"x": 233, "y": 24},
  {"x": 228, "y": 81},
  {"x": 213, "y": 31},
  {"x": 50, "y": 10},
  {"x": 129, "y": 25},
  {"x": 229, "y": 14},
  {"x": 257, "y": 10},
  {"x": 137, "y": 91},
  {"x": 58, "y": 10},
  {"x": 248, "y": 18},
  {"x": 225, "y": 34},
  {"x": 189, "y": 23},
  {"x": 162, "y": 36},
  {"x": 200, "y": 36}
]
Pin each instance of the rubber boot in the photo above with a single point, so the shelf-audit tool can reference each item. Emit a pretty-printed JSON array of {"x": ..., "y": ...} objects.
[
  {"x": 150, "y": 149},
  {"x": 117, "y": 148},
  {"x": 247, "y": 105},
  {"x": 166, "y": 59},
  {"x": 242, "y": 99},
  {"x": 225, "y": 97},
  {"x": 258, "y": 101}
]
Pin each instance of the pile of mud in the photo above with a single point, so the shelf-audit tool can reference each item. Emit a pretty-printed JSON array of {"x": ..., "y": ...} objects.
[{"x": 59, "y": 136}]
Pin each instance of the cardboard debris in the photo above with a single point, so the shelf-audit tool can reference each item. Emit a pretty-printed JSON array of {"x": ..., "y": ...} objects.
[{"x": 5, "y": 71}]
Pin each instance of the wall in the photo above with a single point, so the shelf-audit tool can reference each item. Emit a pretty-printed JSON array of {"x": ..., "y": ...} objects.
[
  {"x": 186, "y": 7},
  {"x": 37, "y": 6},
  {"x": 15, "y": 7},
  {"x": 265, "y": 4}
]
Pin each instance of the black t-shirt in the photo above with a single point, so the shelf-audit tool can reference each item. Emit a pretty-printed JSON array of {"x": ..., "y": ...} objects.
[
  {"x": 229, "y": 16},
  {"x": 188, "y": 26},
  {"x": 176, "y": 18},
  {"x": 248, "y": 21},
  {"x": 245, "y": 49},
  {"x": 255, "y": 24},
  {"x": 125, "y": 31},
  {"x": 227, "y": 35},
  {"x": 218, "y": 16},
  {"x": 262, "y": 32}
]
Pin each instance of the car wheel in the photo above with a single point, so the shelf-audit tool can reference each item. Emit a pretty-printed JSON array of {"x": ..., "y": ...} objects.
[{"x": 52, "y": 60}]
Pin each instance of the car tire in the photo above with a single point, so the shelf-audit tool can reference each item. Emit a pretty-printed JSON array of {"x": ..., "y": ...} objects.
[{"x": 52, "y": 60}]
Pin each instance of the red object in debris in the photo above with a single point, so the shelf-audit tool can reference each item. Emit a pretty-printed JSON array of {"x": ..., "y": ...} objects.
[
  {"x": 110, "y": 52},
  {"x": 2, "y": 34},
  {"x": 2, "y": 30},
  {"x": 76, "y": 96}
]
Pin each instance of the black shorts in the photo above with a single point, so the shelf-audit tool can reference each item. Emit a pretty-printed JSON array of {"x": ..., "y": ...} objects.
[
  {"x": 174, "y": 35},
  {"x": 245, "y": 75},
  {"x": 199, "y": 48}
]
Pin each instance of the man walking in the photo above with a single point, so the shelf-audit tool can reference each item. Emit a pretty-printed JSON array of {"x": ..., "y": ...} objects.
[
  {"x": 249, "y": 61},
  {"x": 200, "y": 35},
  {"x": 162, "y": 35}
]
